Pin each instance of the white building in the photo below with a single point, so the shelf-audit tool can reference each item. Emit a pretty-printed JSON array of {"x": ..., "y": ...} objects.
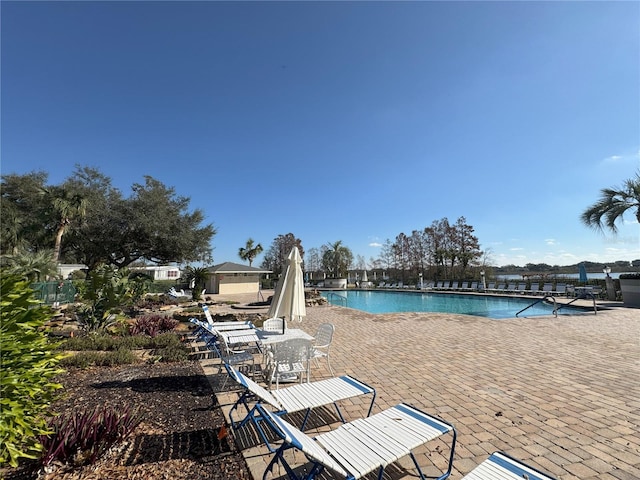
[{"x": 160, "y": 272}]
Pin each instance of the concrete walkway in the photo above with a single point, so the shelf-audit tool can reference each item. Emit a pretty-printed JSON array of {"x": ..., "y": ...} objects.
[{"x": 562, "y": 394}]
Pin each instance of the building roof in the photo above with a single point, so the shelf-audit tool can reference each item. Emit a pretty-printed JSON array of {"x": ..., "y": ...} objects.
[{"x": 230, "y": 267}]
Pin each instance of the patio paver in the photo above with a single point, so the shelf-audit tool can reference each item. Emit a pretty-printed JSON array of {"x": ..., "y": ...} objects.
[{"x": 562, "y": 394}]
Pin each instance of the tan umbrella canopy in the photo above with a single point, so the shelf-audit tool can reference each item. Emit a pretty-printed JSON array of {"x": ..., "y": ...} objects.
[
  {"x": 288, "y": 298},
  {"x": 364, "y": 276}
]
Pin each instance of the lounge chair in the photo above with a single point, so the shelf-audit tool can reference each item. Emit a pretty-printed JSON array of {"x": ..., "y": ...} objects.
[
  {"x": 500, "y": 288},
  {"x": 547, "y": 289},
  {"x": 511, "y": 288},
  {"x": 357, "y": 448},
  {"x": 464, "y": 286},
  {"x": 230, "y": 356},
  {"x": 535, "y": 289},
  {"x": 522, "y": 287},
  {"x": 474, "y": 286},
  {"x": 296, "y": 398},
  {"x": 491, "y": 286},
  {"x": 501, "y": 466},
  {"x": 561, "y": 289}
]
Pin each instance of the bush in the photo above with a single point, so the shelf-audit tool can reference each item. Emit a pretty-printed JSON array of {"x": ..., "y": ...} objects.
[
  {"x": 84, "y": 359},
  {"x": 153, "y": 325},
  {"x": 83, "y": 437},
  {"x": 629, "y": 276},
  {"x": 29, "y": 364}
]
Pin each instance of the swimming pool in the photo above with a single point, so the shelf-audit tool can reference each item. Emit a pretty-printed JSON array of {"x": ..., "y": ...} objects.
[{"x": 490, "y": 306}]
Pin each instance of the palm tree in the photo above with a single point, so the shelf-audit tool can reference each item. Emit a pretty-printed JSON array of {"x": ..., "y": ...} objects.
[
  {"x": 250, "y": 251},
  {"x": 196, "y": 276},
  {"x": 32, "y": 266},
  {"x": 336, "y": 259},
  {"x": 613, "y": 204},
  {"x": 68, "y": 207}
]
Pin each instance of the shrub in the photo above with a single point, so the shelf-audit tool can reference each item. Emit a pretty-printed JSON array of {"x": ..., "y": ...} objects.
[
  {"x": 630, "y": 276},
  {"x": 153, "y": 325},
  {"x": 169, "y": 348},
  {"x": 172, "y": 353},
  {"x": 82, "y": 437},
  {"x": 29, "y": 363},
  {"x": 84, "y": 359}
]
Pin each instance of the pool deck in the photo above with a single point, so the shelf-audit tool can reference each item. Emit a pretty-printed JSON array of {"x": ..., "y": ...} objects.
[{"x": 561, "y": 394}]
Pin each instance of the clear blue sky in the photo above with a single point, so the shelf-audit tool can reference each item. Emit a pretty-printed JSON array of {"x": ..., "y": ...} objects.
[{"x": 340, "y": 121}]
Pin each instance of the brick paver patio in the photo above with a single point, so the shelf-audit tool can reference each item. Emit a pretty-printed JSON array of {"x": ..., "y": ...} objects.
[{"x": 562, "y": 394}]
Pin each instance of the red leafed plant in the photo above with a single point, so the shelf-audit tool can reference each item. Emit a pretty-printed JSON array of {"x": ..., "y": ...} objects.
[
  {"x": 153, "y": 325},
  {"x": 82, "y": 437}
]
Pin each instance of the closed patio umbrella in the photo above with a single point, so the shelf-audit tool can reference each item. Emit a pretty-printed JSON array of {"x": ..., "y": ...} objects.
[
  {"x": 288, "y": 298},
  {"x": 582, "y": 271}
]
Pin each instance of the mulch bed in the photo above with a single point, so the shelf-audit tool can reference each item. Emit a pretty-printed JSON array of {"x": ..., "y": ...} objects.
[{"x": 182, "y": 436}]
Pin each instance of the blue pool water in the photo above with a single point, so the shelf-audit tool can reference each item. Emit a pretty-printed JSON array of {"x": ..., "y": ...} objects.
[{"x": 479, "y": 305}]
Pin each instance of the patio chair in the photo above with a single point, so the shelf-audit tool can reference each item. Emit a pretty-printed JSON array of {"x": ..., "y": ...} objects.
[
  {"x": 501, "y": 466},
  {"x": 547, "y": 288},
  {"x": 474, "y": 286},
  {"x": 322, "y": 344},
  {"x": 464, "y": 286},
  {"x": 522, "y": 287},
  {"x": 491, "y": 286},
  {"x": 288, "y": 360},
  {"x": 535, "y": 288},
  {"x": 274, "y": 325},
  {"x": 511, "y": 288},
  {"x": 296, "y": 398},
  {"x": 365, "y": 445}
]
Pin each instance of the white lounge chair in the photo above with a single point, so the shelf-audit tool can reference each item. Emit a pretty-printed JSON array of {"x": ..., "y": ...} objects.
[
  {"x": 296, "y": 398},
  {"x": 500, "y": 466},
  {"x": 357, "y": 448}
]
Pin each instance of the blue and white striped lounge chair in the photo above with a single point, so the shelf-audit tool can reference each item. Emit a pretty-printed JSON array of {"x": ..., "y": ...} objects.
[
  {"x": 296, "y": 398},
  {"x": 357, "y": 448},
  {"x": 500, "y": 466}
]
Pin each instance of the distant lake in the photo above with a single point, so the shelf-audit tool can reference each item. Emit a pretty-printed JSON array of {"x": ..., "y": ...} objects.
[{"x": 590, "y": 276}]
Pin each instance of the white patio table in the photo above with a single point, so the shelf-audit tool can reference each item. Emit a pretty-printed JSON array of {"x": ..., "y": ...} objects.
[{"x": 269, "y": 338}]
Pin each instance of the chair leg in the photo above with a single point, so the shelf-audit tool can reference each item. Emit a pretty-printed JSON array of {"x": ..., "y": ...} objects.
[{"x": 329, "y": 364}]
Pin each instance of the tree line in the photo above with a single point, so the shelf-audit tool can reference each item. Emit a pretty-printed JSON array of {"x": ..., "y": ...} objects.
[
  {"x": 86, "y": 220},
  {"x": 441, "y": 250}
]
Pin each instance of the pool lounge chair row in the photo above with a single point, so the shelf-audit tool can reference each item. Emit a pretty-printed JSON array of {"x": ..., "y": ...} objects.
[
  {"x": 508, "y": 288},
  {"x": 359, "y": 447}
]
